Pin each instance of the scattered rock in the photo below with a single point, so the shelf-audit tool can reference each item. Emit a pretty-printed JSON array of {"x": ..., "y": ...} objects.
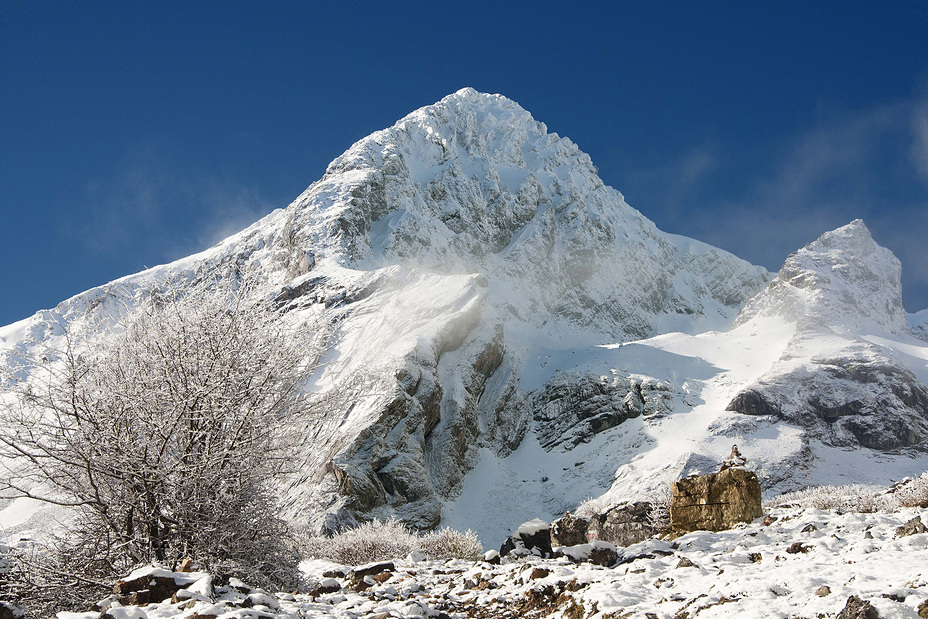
[
  {"x": 623, "y": 525},
  {"x": 383, "y": 577},
  {"x": 597, "y": 553},
  {"x": 491, "y": 557},
  {"x": 912, "y": 527},
  {"x": 857, "y": 608},
  {"x": 755, "y": 557},
  {"x": 684, "y": 562},
  {"x": 809, "y": 528},
  {"x": 531, "y": 538},
  {"x": 769, "y": 520},
  {"x": 539, "y": 572},
  {"x": 371, "y": 569},
  {"x": 335, "y": 573},
  {"x": 823, "y": 591},
  {"x": 923, "y": 610},
  {"x": 798, "y": 547},
  {"x": 8, "y": 611},
  {"x": 569, "y": 530},
  {"x": 151, "y": 585},
  {"x": 715, "y": 502},
  {"x": 868, "y": 535}
]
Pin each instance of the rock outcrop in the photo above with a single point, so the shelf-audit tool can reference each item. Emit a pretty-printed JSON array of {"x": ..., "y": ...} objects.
[
  {"x": 531, "y": 538},
  {"x": 715, "y": 502},
  {"x": 623, "y": 525}
]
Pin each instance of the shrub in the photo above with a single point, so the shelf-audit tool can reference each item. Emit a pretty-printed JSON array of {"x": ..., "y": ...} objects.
[
  {"x": 858, "y": 498},
  {"x": 165, "y": 435},
  {"x": 391, "y": 539}
]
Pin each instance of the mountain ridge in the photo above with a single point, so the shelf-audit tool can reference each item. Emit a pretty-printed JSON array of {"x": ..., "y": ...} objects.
[{"x": 504, "y": 316}]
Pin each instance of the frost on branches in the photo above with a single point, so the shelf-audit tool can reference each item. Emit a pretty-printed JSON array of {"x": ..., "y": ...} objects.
[{"x": 167, "y": 437}]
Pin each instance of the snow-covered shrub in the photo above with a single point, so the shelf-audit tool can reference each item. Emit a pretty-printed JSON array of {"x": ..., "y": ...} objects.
[
  {"x": 371, "y": 541},
  {"x": 659, "y": 516},
  {"x": 164, "y": 433},
  {"x": 911, "y": 492},
  {"x": 451, "y": 544},
  {"x": 591, "y": 507},
  {"x": 857, "y": 498},
  {"x": 390, "y": 539},
  {"x": 851, "y": 498}
]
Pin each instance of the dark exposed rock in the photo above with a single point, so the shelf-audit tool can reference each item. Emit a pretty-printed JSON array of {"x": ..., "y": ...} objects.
[
  {"x": 752, "y": 402},
  {"x": 857, "y": 608},
  {"x": 798, "y": 547},
  {"x": 623, "y": 525},
  {"x": 912, "y": 527},
  {"x": 596, "y": 552},
  {"x": 569, "y": 530},
  {"x": 533, "y": 537},
  {"x": 572, "y": 409},
  {"x": 684, "y": 562},
  {"x": 8, "y": 611},
  {"x": 823, "y": 591},
  {"x": 715, "y": 502},
  {"x": 371, "y": 569},
  {"x": 153, "y": 586},
  {"x": 858, "y": 397}
]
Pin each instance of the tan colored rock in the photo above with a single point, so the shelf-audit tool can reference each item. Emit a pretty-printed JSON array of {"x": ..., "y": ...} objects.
[{"x": 715, "y": 502}]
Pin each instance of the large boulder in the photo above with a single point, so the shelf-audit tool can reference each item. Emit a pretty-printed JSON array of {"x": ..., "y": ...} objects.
[
  {"x": 715, "y": 502},
  {"x": 531, "y": 538},
  {"x": 623, "y": 525},
  {"x": 569, "y": 530}
]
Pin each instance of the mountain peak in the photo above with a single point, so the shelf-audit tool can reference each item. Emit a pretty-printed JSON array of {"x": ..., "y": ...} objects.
[{"x": 843, "y": 278}]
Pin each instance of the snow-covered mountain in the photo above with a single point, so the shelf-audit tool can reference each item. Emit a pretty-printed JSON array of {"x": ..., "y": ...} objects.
[{"x": 514, "y": 338}]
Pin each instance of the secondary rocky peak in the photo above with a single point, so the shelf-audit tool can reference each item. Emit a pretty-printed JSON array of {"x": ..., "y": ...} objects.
[{"x": 843, "y": 279}]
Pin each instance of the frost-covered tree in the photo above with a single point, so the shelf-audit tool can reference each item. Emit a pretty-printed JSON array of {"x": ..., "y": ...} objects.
[{"x": 167, "y": 432}]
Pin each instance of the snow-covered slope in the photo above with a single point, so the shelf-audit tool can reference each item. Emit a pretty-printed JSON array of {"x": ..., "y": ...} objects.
[{"x": 490, "y": 295}]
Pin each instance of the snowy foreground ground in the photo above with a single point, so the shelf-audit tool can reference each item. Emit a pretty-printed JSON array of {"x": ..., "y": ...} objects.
[{"x": 804, "y": 564}]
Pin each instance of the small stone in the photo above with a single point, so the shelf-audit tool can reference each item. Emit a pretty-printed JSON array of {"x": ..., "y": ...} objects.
[
  {"x": 382, "y": 577},
  {"x": 868, "y": 535},
  {"x": 797, "y": 547},
  {"x": 370, "y": 569},
  {"x": 755, "y": 557},
  {"x": 857, "y": 608},
  {"x": 809, "y": 528},
  {"x": 335, "y": 573},
  {"x": 912, "y": 527},
  {"x": 491, "y": 557},
  {"x": 823, "y": 591},
  {"x": 769, "y": 520},
  {"x": 684, "y": 562},
  {"x": 538, "y": 572},
  {"x": 329, "y": 585}
]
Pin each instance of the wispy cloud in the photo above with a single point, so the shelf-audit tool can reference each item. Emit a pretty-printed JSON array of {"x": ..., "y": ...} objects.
[
  {"x": 147, "y": 209},
  {"x": 868, "y": 163}
]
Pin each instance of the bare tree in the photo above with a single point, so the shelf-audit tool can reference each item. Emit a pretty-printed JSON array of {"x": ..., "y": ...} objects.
[{"x": 168, "y": 436}]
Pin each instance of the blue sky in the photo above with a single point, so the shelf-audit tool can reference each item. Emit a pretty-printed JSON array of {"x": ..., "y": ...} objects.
[{"x": 133, "y": 133}]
